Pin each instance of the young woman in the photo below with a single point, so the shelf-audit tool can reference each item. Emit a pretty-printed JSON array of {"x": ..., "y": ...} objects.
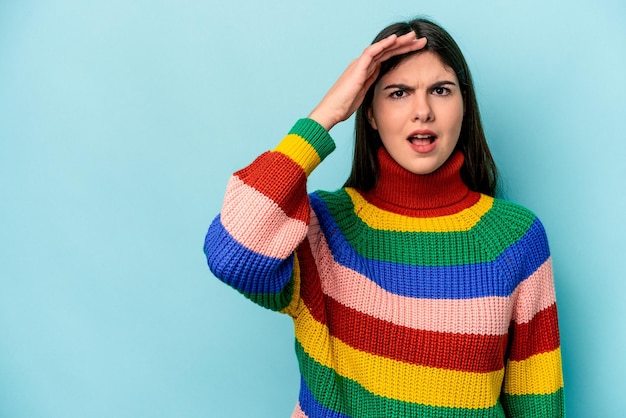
[{"x": 414, "y": 292}]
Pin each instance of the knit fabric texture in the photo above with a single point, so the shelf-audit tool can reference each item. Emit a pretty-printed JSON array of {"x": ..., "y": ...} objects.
[{"x": 419, "y": 298}]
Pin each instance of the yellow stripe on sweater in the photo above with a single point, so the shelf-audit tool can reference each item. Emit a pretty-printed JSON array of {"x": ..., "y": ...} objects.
[
  {"x": 299, "y": 150},
  {"x": 292, "y": 308},
  {"x": 383, "y": 220},
  {"x": 540, "y": 374},
  {"x": 395, "y": 379}
]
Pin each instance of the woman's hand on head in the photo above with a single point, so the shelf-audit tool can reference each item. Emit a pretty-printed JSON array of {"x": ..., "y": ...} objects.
[{"x": 347, "y": 94}]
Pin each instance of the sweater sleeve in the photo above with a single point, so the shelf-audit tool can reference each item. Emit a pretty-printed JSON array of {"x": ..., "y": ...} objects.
[
  {"x": 251, "y": 244},
  {"x": 533, "y": 381}
]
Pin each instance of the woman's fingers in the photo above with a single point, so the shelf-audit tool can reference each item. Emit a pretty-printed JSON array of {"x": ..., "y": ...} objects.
[
  {"x": 347, "y": 93},
  {"x": 389, "y": 47},
  {"x": 377, "y": 48},
  {"x": 391, "y": 42},
  {"x": 402, "y": 46},
  {"x": 385, "y": 49}
]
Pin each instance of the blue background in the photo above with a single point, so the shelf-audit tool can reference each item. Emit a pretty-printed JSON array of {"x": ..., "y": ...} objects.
[{"x": 121, "y": 121}]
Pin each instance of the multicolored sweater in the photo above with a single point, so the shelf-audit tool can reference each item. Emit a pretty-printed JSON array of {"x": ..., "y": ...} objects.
[{"x": 419, "y": 298}]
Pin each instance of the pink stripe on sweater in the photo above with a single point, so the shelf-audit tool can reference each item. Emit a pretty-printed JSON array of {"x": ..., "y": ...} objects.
[
  {"x": 534, "y": 294},
  {"x": 258, "y": 223},
  {"x": 482, "y": 316},
  {"x": 298, "y": 412}
]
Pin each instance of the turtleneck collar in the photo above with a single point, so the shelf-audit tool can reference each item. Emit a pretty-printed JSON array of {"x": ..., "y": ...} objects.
[{"x": 439, "y": 193}]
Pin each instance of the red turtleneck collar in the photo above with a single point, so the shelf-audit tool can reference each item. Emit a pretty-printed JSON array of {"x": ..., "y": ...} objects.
[{"x": 439, "y": 193}]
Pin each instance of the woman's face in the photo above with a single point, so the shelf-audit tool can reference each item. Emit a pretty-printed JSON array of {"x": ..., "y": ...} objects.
[{"x": 418, "y": 111}]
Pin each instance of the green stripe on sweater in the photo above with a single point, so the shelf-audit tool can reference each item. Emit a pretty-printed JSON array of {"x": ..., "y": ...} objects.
[
  {"x": 273, "y": 301},
  {"x": 536, "y": 406},
  {"x": 315, "y": 135},
  {"x": 479, "y": 244}
]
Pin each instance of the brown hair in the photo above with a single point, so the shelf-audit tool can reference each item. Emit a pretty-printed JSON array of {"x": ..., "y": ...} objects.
[{"x": 479, "y": 170}]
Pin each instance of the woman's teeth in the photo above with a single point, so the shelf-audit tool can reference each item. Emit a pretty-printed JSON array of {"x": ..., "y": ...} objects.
[{"x": 421, "y": 139}]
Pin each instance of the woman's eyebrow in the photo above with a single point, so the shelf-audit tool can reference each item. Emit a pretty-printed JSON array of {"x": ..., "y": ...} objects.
[
  {"x": 399, "y": 87},
  {"x": 406, "y": 87},
  {"x": 443, "y": 83}
]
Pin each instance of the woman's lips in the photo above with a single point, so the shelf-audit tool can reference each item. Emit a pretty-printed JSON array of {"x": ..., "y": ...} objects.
[{"x": 423, "y": 141}]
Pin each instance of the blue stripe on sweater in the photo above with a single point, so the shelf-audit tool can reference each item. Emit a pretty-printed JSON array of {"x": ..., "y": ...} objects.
[
  {"x": 242, "y": 268},
  {"x": 311, "y": 407}
]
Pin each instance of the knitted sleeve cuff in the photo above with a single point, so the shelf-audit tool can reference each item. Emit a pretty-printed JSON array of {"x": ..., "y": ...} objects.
[{"x": 307, "y": 143}]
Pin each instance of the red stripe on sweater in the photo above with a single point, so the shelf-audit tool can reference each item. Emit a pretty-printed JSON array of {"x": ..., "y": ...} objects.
[
  {"x": 463, "y": 352},
  {"x": 274, "y": 175},
  {"x": 540, "y": 335},
  {"x": 310, "y": 284}
]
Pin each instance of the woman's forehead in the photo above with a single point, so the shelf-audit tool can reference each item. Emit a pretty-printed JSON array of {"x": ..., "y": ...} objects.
[{"x": 423, "y": 66}]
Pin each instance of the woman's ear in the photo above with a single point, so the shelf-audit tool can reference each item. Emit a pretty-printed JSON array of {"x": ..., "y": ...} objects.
[{"x": 371, "y": 120}]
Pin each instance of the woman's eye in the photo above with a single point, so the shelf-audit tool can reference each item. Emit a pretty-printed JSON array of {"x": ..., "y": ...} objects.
[
  {"x": 441, "y": 91},
  {"x": 398, "y": 94}
]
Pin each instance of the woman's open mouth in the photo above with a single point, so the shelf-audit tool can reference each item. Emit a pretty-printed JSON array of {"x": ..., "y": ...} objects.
[{"x": 423, "y": 141}]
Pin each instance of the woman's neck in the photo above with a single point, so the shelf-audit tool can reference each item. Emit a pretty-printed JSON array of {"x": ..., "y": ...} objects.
[{"x": 439, "y": 193}]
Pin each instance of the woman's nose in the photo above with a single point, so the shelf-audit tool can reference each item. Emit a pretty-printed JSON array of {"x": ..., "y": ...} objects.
[{"x": 422, "y": 109}]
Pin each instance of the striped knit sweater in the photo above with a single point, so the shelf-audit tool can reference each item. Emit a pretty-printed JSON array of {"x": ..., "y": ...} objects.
[{"x": 419, "y": 298}]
